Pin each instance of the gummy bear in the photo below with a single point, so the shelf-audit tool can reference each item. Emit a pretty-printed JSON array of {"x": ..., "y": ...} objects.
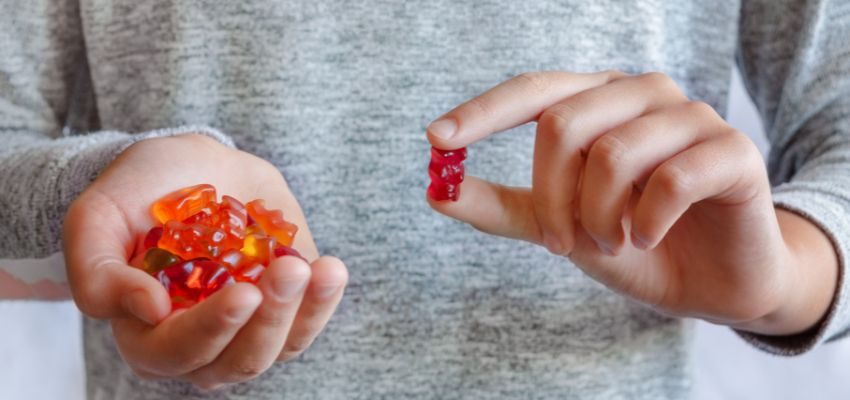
[
  {"x": 157, "y": 259},
  {"x": 446, "y": 172},
  {"x": 152, "y": 238},
  {"x": 192, "y": 281},
  {"x": 183, "y": 203},
  {"x": 194, "y": 241},
  {"x": 259, "y": 248},
  {"x": 272, "y": 222}
]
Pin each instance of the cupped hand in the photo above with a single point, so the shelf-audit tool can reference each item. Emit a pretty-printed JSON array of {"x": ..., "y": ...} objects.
[{"x": 236, "y": 334}]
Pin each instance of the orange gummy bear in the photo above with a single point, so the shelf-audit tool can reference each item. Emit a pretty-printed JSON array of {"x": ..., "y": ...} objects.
[
  {"x": 184, "y": 203},
  {"x": 258, "y": 247},
  {"x": 272, "y": 222},
  {"x": 194, "y": 241}
]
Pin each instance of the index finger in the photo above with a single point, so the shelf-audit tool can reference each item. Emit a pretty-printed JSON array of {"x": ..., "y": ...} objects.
[{"x": 512, "y": 103}]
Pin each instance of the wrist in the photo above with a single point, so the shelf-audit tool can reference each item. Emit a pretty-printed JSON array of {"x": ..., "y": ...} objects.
[{"x": 809, "y": 267}]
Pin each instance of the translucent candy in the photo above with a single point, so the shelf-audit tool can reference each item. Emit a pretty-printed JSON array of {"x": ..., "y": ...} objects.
[
  {"x": 192, "y": 281},
  {"x": 259, "y": 248},
  {"x": 224, "y": 242},
  {"x": 152, "y": 238},
  {"x": 272, "y": 222},
  {"x": 446, "y": 172},
  {"x": 183, "y": 203},
  {"x": 157, "y": 259},
  {"x": 193, "y": 241}
]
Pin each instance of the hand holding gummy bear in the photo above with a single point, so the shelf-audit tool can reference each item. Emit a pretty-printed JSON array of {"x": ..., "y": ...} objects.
[
  {"x": 238, "y": 331},
  {"x": 649, "y": 193}
]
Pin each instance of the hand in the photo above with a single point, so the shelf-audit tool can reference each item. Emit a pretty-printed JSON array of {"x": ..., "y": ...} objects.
[
  {"x": 651, "y": 194},
  {"x": 237, "y": 333}
]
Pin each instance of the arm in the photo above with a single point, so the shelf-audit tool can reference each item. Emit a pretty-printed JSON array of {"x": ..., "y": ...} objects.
[
  {"x": 794, "y": 57},
  {"x": 45, "y": 97},
  {"x": 89, "y": 195}
]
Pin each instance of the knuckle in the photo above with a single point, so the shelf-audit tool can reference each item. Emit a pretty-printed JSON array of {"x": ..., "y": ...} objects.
[
  {"x": 608, "y": 154},
  {"x": 749, "y": 153},
  {"x": 482, "y": 105},
  {"x": 295, "y": 347},
  {"x": 699, "y": 108},
  {"x": 559, "y": 120},
  {"x": 537, "y": 81},
  {"x": 217, "y": 322},
  {"x": 615, "y": 74},
  {"x": 655, "y": 79},
  {"x": 660, "y": 82},
  {"x": 298, "y": 346},
  {"x": 187, "y": 362},
  {"x": 270, "y": 317},
  {"x": 247, "y": 369},
  {"x": 673, "y": 181}
]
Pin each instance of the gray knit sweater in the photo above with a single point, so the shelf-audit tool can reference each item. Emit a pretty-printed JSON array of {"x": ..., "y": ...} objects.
[{"x": 337, "y": 95}]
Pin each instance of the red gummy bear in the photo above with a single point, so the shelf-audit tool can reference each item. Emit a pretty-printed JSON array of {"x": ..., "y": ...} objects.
[
  {"x": 446, "y": 172},
  {"x": 192, "y": 281},
  {"x": 153, "y": 236},
  {"x": 272, "y": 222}
]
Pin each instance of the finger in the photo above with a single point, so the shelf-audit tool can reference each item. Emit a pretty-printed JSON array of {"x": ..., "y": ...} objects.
[
  {"x": 726, "y": 169},
  {"x": 187, "y": 339},
  {"x": 256, "y": 346},
  {"x": 511, "y": 103},
  {"x": 97, "y": 242},
  {"x": 567, "y": 129},
  {"x": 624, "y": 157},
  {"x": 494, "y": 209},
  {"x": 323, "y": 295}
]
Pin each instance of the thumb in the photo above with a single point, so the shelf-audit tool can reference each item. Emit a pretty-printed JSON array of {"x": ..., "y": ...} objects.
[
  {"x": 97, "y": 242},
  {"x": 494, "y": 209}
]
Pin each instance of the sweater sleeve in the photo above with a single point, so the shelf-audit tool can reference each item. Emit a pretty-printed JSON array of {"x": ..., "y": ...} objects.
[
  {"x": 795, "y": 58},
  {"x": 48, "y": 151}
]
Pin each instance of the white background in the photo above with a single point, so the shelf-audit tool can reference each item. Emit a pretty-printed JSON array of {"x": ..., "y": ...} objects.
[{"x": 41, "y": 354}]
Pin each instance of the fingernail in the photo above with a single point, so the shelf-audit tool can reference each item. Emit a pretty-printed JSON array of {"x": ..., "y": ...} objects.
[
  {"x": 639, "y": 242},
  {"x": 288, "y": 290},
  {"x": 443, "y": 128},
  {"x": 135, "y": 303},
  {"x": 552, "y": 243},
  {"x": 323, "y": 292}
]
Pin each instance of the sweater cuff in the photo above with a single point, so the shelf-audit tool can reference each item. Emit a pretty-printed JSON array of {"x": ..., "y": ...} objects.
[
  {"x": 830, "y": 215},
  {"x": 47, "y": 175}
]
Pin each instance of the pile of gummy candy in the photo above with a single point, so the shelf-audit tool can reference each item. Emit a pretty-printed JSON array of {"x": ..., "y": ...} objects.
[{"x": 202, "y": 245}]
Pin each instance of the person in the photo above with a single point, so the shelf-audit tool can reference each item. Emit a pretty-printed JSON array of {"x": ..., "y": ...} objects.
[{"x": 653, "y": 206}]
